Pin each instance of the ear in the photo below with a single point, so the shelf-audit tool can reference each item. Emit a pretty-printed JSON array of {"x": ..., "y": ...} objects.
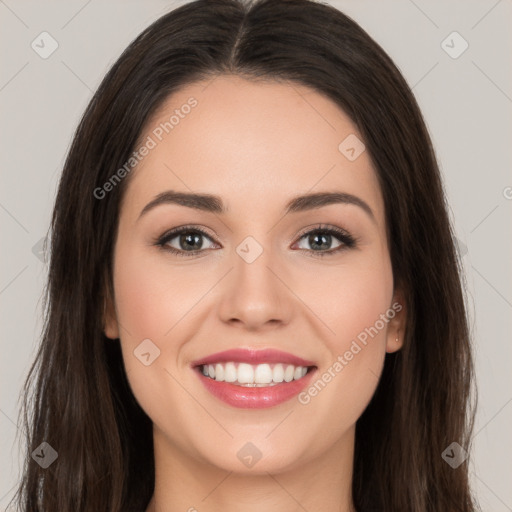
[
  {"x": 397, "y": 314},
  {"x": 110, "y": 325}
]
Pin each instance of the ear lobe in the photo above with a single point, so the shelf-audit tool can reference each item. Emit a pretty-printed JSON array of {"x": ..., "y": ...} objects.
[
  {"x": 397, "y": 324},
  {"x": 394, "y": 343},
  {"x": 110, "y": 325},
  {"x": 110, "y": 328}
]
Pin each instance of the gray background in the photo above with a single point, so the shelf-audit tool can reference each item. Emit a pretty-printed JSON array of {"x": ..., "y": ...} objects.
[{"x": 467, "y": 104}]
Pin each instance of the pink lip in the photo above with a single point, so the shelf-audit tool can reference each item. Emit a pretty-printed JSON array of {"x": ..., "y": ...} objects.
[
  {"x": 255, "y": 398},
  {"x": 240, "y": 355}
]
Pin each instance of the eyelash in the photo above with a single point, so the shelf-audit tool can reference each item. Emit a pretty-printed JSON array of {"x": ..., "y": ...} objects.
[{"x": 347, "y": 240}]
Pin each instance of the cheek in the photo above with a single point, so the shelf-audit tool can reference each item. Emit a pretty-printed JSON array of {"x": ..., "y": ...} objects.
[
  {"x": 352, "y": 301},
  {"x": 356, "y": 305},
  {"x": 348, "y": 298},
  {"x": 152, "y": 301},
  {"x": 152, "y": 296},
  {"x": 361, "y": 300}
]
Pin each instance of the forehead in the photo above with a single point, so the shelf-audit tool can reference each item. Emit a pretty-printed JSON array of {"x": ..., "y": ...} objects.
[{"x": 250, "y": 142}]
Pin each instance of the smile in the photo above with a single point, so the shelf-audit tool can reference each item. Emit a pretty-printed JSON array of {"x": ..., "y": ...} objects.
[{"x": 252, "y": 379}]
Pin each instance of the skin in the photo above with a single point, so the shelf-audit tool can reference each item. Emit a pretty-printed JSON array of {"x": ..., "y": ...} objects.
[{"x": 252, "y": 144}]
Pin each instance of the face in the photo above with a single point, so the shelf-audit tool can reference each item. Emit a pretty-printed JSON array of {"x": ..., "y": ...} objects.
[{"x": 246, "y": 274}]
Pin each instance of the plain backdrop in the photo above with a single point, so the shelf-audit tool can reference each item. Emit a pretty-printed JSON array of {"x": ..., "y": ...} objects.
[{"x": 466, "y": 100}]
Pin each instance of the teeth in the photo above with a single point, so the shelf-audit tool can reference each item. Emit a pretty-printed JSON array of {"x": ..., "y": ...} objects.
[
  {"x": 278, "y": 373},
  {"x": 289, "y": 373},
  {"x": 219, "y": 372},
  {"x": 263, "y": 374},
  {"x": 248, "y": 375},
  {"x": 230, "y": 373}
]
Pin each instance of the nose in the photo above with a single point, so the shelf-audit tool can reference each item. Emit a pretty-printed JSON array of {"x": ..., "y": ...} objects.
[{"x": 254, "y": 294}]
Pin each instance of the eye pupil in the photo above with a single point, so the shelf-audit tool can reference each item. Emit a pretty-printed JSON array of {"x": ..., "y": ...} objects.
[
  {"x": 194, "y": 238},
  {"x": 325, "y": 238}
]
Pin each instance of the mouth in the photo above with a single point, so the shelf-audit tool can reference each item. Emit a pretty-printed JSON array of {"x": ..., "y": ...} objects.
[{"x": 252, "y": 379}]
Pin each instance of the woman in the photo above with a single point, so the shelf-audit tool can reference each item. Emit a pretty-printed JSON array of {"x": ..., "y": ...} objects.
[{"x": 254, "y": 301}]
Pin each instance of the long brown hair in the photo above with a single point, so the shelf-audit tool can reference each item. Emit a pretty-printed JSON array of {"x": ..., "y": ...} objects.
[{"x": 77, "y": 397}]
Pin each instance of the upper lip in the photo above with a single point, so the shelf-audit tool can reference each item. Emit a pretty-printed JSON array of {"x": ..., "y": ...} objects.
[{"x": 253, "y": 356}]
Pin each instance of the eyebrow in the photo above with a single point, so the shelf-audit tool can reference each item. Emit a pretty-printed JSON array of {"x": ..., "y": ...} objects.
[{"x": 214, "y": 204}]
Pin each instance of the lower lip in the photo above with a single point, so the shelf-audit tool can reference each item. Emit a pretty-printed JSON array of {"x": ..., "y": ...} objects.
[{"x": 255, "y": 397}]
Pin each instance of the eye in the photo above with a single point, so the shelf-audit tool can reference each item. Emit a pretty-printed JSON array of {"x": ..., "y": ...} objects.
[
  {"x": 189, "y": 240},
  {"x": 322, "y": 237}
]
